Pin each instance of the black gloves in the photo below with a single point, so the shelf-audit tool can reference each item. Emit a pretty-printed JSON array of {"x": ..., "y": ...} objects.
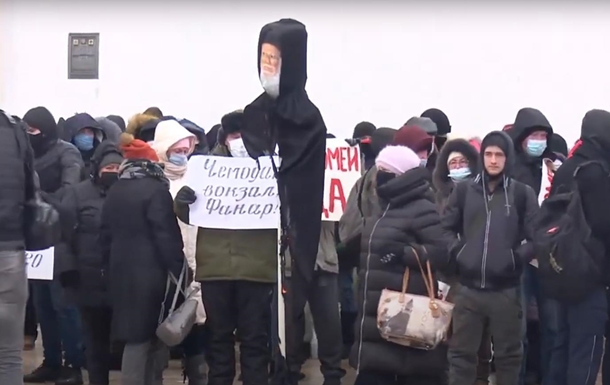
[{"x": 185, "y": 196}]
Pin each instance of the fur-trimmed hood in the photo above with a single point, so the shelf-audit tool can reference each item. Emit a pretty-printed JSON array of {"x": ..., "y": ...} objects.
[
  {"x": 142, "y": 127},
  {"x": 440, "y": 177}
]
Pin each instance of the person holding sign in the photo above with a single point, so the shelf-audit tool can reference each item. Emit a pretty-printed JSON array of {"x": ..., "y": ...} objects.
[
  {"x": 85, "y": 277},
  {"x": 174, "y": 144},
  {"x": 141, "y": 241},
  {"x": 237, "y": 270}
]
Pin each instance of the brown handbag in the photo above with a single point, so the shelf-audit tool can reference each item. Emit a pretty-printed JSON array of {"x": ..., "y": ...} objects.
[{"x": 416, "y": 321}]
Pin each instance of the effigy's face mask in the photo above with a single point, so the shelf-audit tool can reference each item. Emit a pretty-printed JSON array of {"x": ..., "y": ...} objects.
[{"x": 271, "y": 68}]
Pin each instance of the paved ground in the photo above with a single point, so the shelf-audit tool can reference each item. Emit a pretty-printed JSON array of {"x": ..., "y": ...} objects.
[{"x": 173, "y": 376}]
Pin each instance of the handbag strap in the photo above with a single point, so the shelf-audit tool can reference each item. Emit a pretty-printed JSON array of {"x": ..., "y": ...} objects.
[
  {"x": 429, "y": 282},
  {"x": 178, "y": 282}
]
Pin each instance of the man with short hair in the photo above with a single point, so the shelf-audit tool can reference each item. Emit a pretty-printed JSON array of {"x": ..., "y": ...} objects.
[
  {"x": 16, "y": 189},
  {"x": 489, "y": 218}
]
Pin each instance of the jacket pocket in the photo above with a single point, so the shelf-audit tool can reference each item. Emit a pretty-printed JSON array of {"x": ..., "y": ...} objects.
[
  {"x": 469, "y": 261},
  {"x": 501, "y": 266}
]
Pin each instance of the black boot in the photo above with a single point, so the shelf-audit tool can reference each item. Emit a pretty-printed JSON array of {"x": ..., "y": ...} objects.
[
  {"x": 43, "y": 373},
  {"x": 196, "y": 370},
  {"x": 70, "y": 376}
]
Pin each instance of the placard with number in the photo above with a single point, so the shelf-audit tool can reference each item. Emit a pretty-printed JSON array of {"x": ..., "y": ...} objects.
[{"x": 40, "y": 264}]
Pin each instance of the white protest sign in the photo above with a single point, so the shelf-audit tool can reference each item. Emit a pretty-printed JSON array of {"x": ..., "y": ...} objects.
[
  {"x": 343, "y": 169},
  {"x": 40, "y": 264},
  {"x": 233, "y": 193}
]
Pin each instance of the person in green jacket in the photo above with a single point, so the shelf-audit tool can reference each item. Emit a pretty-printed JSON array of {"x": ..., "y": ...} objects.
[{"x": 237, "y": 270}]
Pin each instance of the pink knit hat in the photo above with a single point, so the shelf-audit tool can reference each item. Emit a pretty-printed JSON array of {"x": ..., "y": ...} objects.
[{"x": 397, "y": 159}]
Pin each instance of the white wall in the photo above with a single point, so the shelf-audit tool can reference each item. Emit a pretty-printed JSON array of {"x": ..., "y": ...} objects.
[{"x": 383, "y": 63}]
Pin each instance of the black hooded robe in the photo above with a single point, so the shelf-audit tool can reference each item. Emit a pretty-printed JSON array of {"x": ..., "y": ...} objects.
[{"x": 295, "y": 124}]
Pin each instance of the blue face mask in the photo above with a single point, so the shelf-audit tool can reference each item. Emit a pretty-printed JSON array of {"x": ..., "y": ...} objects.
[
  {"x": 536, "y": 147},
  {"x": 178, "y": 159},
  {"x": 83, "y": 142},
  {"x": 459, "y": 174}
]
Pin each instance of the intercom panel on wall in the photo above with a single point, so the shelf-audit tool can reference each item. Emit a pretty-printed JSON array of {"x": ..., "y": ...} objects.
[{"x": 83, "y": 56}]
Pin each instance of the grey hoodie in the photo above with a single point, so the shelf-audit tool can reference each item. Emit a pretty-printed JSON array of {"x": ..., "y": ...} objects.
[{"x": 112, "y": 130}]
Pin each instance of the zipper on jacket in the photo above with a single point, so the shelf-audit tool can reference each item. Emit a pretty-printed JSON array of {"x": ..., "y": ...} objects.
[
  {"x": 460, "y": 252},
  {"x": 486, "y": 241},
  {"x": 366, "y": 284}
]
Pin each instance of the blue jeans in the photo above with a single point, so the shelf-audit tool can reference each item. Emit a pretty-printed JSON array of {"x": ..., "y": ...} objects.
[
  {"x": 346, "y": 293},
  {"x": 60, "y": 325},
  {"x": 577, "y": 350}
]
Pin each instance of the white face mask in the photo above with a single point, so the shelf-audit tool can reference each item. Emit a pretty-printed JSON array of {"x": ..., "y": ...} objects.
[
  {"x": 271, "y": 84},
  {"x": 238, "y": 148}
]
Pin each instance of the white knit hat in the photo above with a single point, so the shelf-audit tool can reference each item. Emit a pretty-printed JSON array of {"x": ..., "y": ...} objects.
[{"x": 397, "y": 159}]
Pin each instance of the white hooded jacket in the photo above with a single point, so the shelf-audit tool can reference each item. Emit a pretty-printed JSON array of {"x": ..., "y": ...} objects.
[{"x": 168, "y": 133}]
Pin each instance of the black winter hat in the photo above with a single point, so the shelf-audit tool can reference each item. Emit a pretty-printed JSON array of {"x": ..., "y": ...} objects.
[
  {"x": 231, "y": 123},
  {"x": 42, "y": 119},
  {"x": 363, "y": 129},
  {"x": 440, "y": 119},
  {"x": 559, "y": 145}
]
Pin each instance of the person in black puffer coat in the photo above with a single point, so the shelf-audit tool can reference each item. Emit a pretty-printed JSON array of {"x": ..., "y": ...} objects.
[
  {"x": 408, "y": 221},
  {"x": 86, "y": 278}
]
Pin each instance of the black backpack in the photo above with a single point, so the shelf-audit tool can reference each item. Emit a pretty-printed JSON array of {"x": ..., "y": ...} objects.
[{"x": 570, "y": 258}]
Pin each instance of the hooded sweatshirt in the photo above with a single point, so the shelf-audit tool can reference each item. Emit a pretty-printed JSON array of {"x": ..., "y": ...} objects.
[
  {"x": 58, "y": 163},
  {"x": 490, "y": 226},
  {"x": 78, "y": 122},
  {"x": 593, "y": 180},
  {"x": 112, "y": 130},
  {"x": 167, "y": 134},
  {"x": 295, "y": 124},
  {"x": 527, "y": 168}
]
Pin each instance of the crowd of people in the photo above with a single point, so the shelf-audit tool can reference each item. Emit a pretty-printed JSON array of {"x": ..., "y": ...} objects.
[
  {"x": 468, "y": 206},
  {"x": 513, "y": 224}
]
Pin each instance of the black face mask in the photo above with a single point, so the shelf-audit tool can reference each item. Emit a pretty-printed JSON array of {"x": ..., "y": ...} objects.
[
  {"x": 384, "y": 177},
  {"x": 108, "y": 178},
  {"x": 38, "y": 142}
]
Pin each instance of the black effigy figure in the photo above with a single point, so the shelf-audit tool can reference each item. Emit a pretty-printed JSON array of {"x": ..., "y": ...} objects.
[{"x": 284, "y": 116}]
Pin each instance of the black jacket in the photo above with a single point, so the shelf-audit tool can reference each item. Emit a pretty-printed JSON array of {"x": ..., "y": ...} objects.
[
  {"x": 16, "y": 187},
  {"x": 491, "y": 227},
  {"x": 527, "y": 169},
  {"x": 440, "y": 177},
  {"x": 59, "y": 168},
  {"x": 408, "y": 220},
  {"x": 84, "y": 203},
  {"x": 141, "y": 241},
  {"x": 593, "y": 180}
]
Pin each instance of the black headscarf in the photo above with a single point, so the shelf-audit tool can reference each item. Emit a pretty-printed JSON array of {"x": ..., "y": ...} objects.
[{"x": 295, "y": 124}]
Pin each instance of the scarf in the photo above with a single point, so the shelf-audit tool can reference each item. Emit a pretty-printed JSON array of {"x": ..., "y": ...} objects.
[
  {"x": 172, "y": 171},
  {"x": 138, "y": 169}
]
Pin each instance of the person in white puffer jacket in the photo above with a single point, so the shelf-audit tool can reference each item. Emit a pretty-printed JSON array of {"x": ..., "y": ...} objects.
[{"x": 174, "y": 144}]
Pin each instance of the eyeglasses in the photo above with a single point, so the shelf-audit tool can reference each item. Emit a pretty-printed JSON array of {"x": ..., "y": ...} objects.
[{"x": 459, "y": 162}]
